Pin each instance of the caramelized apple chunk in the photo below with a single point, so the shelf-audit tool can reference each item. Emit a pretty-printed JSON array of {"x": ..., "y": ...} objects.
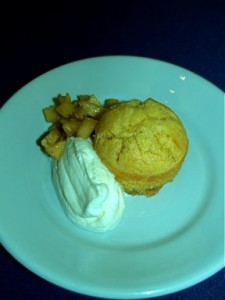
[{"x": 76, "y": 117}]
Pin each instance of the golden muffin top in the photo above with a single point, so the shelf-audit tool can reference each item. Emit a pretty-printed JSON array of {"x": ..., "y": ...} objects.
[{"x": 140, "y": 138}]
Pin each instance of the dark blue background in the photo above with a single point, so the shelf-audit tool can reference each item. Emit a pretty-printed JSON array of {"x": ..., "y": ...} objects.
[{"x": 35, "y": 39}]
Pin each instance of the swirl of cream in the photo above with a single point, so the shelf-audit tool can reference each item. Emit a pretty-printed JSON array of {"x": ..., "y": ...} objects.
[{"x": 89, "y": 193}]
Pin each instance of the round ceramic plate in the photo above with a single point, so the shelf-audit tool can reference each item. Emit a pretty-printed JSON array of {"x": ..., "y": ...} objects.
[{"x": 163, "y": 244}]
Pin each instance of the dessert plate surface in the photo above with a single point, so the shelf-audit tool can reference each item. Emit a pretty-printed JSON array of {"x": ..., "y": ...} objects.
[{"x": 163, "y": 244}]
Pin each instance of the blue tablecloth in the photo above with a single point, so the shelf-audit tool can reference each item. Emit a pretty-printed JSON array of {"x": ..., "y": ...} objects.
[{"x": 35, "y": 39}]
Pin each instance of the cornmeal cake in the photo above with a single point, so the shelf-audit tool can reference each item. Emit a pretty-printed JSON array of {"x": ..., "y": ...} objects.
[{"x": 143, "y": 143}]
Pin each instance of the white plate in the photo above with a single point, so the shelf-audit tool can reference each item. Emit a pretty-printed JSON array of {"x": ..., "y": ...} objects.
[{"x": 163, "y": 244}]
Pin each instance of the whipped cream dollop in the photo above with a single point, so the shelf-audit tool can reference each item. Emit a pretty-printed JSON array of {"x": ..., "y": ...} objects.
[{"x": 89, "y": 193}]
